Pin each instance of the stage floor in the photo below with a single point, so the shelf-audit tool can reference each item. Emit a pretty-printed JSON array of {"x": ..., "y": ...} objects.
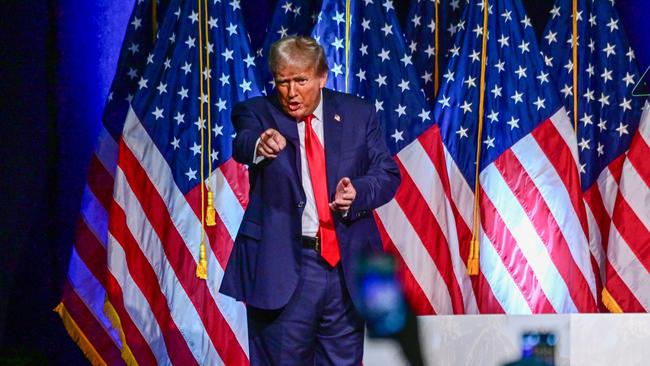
[{"x": 491, "y": 340}]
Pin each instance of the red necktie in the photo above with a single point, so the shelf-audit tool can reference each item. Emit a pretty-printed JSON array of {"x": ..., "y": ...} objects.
[{"x": 316, "y": 162}]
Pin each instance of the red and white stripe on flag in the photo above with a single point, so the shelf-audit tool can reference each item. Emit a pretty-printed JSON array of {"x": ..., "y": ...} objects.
[
  {"x": 84, "y": 295},
  {"x": 533, "y": 241},
  {"x": 628, "y": 248},
  {"x": 168, "y": 315}
]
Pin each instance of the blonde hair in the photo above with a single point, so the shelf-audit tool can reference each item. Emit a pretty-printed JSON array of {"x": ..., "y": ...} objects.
[{"x": 297, "y": 50}]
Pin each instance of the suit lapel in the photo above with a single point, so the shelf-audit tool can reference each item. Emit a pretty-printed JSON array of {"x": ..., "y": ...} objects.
[{"x": 332, "y": 127}]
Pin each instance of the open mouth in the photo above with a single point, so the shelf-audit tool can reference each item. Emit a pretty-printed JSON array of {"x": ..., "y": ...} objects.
[{"x": 294, "y": 106}]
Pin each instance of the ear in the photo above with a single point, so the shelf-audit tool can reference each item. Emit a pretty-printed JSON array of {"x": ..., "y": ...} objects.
[{"x": 323, "y": 80}]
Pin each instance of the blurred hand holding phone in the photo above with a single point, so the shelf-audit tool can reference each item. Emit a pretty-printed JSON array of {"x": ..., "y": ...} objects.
[{"x": 384, "y": 307}]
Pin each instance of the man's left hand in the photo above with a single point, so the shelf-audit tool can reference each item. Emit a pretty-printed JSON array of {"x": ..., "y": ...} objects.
[{"x": 345, "y": 194}]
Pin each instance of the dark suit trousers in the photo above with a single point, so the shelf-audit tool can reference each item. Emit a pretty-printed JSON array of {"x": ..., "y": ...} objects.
[{"x": 319, "y": 325}]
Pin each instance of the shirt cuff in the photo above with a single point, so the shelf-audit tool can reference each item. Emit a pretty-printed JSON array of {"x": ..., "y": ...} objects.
[{"x": 257, "y": 159}]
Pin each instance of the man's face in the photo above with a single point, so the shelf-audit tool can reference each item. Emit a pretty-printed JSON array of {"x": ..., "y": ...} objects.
[{"x": 299, "y": 89}]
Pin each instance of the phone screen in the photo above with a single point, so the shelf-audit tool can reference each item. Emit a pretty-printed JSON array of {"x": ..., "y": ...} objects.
[{"x": 539, "y": 346}]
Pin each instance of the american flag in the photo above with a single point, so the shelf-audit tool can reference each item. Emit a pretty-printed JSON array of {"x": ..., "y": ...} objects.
[
  {"x": 168, "y": 147},
  {"x": 84, "y": 294},
  {"x": 377, "y": 66},
  {"x": 532, "y": 235},
  {"x": 291, "y": 17},
  {"x": 533, "y": 241},
  {"x": 419, "y": 33},
  {"x": 379, "y": 69},
  {"x": 608, "y": 118}
]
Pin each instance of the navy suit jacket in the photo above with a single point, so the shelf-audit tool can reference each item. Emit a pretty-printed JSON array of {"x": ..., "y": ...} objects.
[{"x": 264, "y": 266}]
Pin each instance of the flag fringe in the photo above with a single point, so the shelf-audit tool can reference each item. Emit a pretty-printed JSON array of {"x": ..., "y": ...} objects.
[
  {"x": 126, "y": 353},
  {"x": 610, "y": 303},
  {"x": 78, "y": 336}
]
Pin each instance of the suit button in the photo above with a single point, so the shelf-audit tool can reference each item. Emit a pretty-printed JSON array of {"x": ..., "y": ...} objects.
[
  {"x": 363, "y": 212},
  {"x": 301, "y": 204}
]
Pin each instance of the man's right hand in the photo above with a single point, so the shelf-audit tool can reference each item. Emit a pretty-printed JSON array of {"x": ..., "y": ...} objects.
[{"x": 271, "y": 143}]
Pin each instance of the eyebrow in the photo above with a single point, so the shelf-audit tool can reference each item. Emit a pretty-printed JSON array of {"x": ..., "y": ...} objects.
[{"x": 294, "y": 78}]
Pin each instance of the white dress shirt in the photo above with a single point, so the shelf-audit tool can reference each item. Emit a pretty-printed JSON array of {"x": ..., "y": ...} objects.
[{"x": 310, "y": 214}]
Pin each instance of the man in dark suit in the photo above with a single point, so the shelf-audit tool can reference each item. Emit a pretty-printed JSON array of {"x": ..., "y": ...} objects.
[{"x": 318, "y": 167}]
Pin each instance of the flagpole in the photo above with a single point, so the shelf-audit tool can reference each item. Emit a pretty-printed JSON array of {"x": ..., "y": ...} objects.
[
  {"x": 347, "y": 43},
  {"x": 436, "y": 80},
  {"x": 202, "y": 266},
  {"x": 154, "y": 19},
  {"x": 575, "y": 66}
]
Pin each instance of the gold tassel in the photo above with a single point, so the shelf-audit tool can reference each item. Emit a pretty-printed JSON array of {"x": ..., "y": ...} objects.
[
  {"x": 610, "y": 303},
  {"x": 202, "y": 266},
  {"x": 211, "y": 219},
  {"x": 472, "y": 261}
]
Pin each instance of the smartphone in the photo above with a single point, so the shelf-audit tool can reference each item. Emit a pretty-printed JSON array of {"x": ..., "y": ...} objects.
[{"x": 381, "y": 297}]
